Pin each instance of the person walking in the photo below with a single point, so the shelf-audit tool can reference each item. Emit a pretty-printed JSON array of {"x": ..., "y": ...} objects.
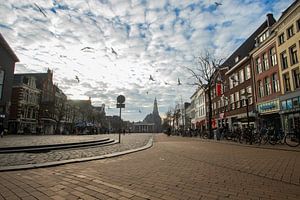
[{"x": 1, "y": 130}]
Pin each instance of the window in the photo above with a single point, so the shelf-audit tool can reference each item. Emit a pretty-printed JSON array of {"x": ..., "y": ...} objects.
[
  {"x": 237, "y": 99},
  {"x": 265, "y": 62},
  {"x": 298, "y": 24},
  {"x": 293, "y": 54},
  {"x": 260, "y": 89},
  {"x": 232, "y": 107},
  {"x": 267, "y": 86},
  {"x": 230, "y": 82},
  {"x": 242, "y": 92},
  {"x": 247, "y": 72},
  {"x": 237, "y": 59},
  {"x": 290, "y": 31},
  {"x": 264, "y": 36},
  {"x": 286, "y": 82},
  {"x": 283, "y": 58},
  {"x": 236, "y": 79},
  {"x": 241, "y": 76},
  {"x": 250, "y": 99},
  {"x": 273, "y": 56},
  {"x": 275, "y": 83},
  {"x": 258, "y": 66},
  {"x": 1, "y": 82},
  {"x": 296, "y": 78},
  {"x": 281, "y": 38}
]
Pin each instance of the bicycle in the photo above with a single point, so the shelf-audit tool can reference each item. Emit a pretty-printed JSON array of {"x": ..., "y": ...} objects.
[{"x": 292, "y": 139}]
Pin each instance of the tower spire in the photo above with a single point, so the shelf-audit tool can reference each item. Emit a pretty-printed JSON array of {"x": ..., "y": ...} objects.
[{"x": 155, "y": 108}]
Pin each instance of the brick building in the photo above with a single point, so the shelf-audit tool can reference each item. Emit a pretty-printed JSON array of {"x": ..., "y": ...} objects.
[
  {"x": 266, "y": 77},
  {"x": 7, "y": 67},
  {"x": 25, "y": 101},
  {"x": 240, "y": 81}
]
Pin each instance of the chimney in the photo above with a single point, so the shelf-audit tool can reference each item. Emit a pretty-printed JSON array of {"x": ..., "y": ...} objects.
[{"x": 270, "y": 19}]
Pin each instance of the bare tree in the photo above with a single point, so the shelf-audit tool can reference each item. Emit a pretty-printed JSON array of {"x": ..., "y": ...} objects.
[{"x": 202, "y": 74}]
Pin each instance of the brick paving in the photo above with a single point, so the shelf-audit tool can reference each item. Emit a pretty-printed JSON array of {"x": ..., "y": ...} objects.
[
  {"x": 25, "y": 140},
  {"x": 174, "y": 168},
  {"x": 129, "y": 141}
]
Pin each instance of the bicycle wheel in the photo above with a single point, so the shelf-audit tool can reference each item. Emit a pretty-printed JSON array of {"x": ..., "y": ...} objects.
[
  {"x": 292, "y": 140},
  {"x": 264, "y": 139},
  {"x": 273, "y": 140}
]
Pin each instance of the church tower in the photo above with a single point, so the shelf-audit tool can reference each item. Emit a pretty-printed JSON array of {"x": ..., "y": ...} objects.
[
  {"x": 154, "y": 118},
  {"x": 155, "y": 108}
]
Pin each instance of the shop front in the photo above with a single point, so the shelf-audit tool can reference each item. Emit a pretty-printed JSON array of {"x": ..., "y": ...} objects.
[
  {"x": 290, "y": 113},
  {"x": 268, "y": 115}
]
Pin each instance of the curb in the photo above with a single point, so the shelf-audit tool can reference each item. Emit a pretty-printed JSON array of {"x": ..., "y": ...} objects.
[
  {"x": 63, "y": 162},
  {"x": 296, "y": 149}
]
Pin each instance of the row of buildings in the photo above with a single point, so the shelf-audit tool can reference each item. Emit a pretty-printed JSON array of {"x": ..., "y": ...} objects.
[
  {"x": 259, "y": 83},
  {"x": 32, "y": 103}
]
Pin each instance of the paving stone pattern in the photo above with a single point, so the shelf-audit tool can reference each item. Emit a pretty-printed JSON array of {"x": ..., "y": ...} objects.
[
  {"x": 25, "y": 140},
  {"x": 129, "y": 141},
  {"x": 174, "y": 168}
]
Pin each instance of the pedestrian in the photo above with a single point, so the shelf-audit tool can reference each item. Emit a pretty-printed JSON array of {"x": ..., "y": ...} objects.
[{"x": 1, "y": 130}]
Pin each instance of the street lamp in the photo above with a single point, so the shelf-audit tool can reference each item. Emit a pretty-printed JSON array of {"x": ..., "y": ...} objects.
[{"x": 246, "y": 98}]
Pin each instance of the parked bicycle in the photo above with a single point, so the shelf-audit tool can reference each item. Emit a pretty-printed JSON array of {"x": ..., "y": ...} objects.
[{"x": 292, "y": 139}]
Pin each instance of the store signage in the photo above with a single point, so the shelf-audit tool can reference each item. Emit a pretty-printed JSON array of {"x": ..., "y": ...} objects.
[{"x": 268, "y": 106}]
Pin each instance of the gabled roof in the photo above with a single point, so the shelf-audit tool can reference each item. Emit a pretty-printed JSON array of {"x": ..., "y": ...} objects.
[
  {"x": 284, "y": 13},
  {"x": 244, "y": 49},
  {"x": 5, "y": 45}
]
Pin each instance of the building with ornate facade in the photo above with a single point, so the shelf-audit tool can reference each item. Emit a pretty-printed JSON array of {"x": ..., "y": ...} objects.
[{"x": 25, "y": 105}]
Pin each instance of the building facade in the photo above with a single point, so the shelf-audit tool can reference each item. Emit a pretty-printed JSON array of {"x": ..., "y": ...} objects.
[
  {"x": 24, "y": 110},
  {"x": 7, "y": 67},
  {"x": 198, "y": 101},
  {"x": 288, "y": 47},
  {"x": 266, "y": 79}
]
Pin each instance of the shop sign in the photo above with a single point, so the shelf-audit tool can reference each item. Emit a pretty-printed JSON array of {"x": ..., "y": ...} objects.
[{"x": 268, "y": 106}]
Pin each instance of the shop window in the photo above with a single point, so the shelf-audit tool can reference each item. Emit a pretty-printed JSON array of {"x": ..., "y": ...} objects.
[
  {"x": 293, "y": 54},
  {"x": 289, "y": 104},
  {"x": 273, "y": 56},
  {"x": 1, "y": 82},
  {"x": 296, "y": 78},
  {"x": 284, "y": 60},
  {"x": 283, "y": 105},
  {"x": 295, "y": 103}
]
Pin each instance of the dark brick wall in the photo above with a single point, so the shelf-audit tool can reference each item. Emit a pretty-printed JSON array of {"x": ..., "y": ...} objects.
[{"x": 7, "y": 63}]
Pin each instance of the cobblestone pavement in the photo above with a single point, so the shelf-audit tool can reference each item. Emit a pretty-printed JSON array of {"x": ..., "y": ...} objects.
[
  {"x": 174, "y": 168},
  {"x": 129, "y": 141},
  {"x": 25, "y": 140}
]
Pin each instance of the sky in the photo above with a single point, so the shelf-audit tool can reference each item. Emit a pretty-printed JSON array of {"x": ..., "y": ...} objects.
[{"x": 114, "y": 46}]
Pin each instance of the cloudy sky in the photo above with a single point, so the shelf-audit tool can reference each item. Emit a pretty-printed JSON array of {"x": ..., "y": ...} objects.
[{"x": 113, "y": 46}]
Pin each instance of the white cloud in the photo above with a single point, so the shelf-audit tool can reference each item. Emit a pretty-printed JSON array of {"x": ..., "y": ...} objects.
[{"x": 147, "y": 35}]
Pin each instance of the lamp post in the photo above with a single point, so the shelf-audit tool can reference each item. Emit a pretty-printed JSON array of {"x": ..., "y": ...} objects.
[
  {"x": 246, "y": 96},
  {"x": 120, "y": 104}
]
